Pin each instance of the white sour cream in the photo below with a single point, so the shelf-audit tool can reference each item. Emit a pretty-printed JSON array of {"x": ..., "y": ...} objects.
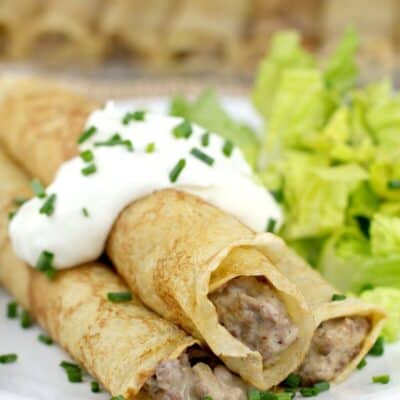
[{"x": 122, "y": 176}]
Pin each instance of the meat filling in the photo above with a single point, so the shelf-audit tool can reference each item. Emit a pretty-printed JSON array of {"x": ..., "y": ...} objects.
[
  {"x": 252, "y": 312},
  {"x": 179, "y": 380},
  {"x": 335, "y": 343}
]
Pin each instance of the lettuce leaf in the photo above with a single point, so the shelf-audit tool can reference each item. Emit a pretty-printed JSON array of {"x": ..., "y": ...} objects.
[
  {"x": 385, "y": 235},
  {"x": 389, "y": 299},
  {"x": 285, "y": 53},
  {"x": 346, "y": 261},
  {"x": 207, "y": 111},
  {"x": 316, "y": 195}
]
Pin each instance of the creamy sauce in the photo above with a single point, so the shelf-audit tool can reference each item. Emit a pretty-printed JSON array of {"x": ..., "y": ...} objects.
[{"x": 86, "y": 207}]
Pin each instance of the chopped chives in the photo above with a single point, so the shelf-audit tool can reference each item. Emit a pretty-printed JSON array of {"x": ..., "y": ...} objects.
[
  {"x": 205, "y": 139},
  {"x": 116, "y": 140},
  {"x": 118, "y": 297},
  {"x": 227, "y": 148},
  {"x": 12, "y": 309},
  {"x": 25, "y": 320},
  {"x": 202, "y": 156},
  {"x": 183, "y": 130},
  {"x": 366, "y": 287},
  {"x": 19, "y": 201},
  {"x": 89, "y": 170},
  {"x": 362, "y": 364},
  {"x": 11, "y": 215},
  {"x": 87, "y": 155},
  {"x": 271, "y": 224},
  {"x": 176, "y": 171},
  {"x": 8, "y": 358},
  {"x": 292, "y": 381},
  {"x": 283, "y": 396},
  {"x": 38, "y": 189},
  {"x": 133, "y": 116},
  {"x": 48, "y": 205},
  {"x": 309, "y": 391},
  {"x": 322, "y": 386},
  {"x": 378, "y": 348},
  {"x": 69, "y": 365},
  {"x": 74, "y": 376},
  {"x": 45, "y": 264},
  {"x": 87, "y": 134},
  {"x": 119, "y": 397},
  {"x": 383, "y": 379},
  {"x": 85, "y": 212},
  {"x": 278, "y": 195},
  {"x": 151, "y": 147},
  {"x": 207, "y": 398},
  {"x": 338, "y": 297},
  {"x": 47, "y": 340},
  {"x": 393, "y": 184},
  {"x": 95, "y": 387},
  {"x": 253, "y": 394}
]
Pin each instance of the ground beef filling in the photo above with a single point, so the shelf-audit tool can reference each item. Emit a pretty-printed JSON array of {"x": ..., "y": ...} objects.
[
  {"x": 179, "y": 380},
  {"x": 335, "y": 343},
  {"x": 251, "y": 311}
]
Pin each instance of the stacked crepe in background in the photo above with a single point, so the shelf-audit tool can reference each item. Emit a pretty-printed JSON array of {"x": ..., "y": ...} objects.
[
  {"x": 193, "y": 35},
  {"x": 178, "y": 253}
]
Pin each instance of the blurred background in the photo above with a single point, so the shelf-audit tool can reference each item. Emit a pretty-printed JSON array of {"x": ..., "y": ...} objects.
[{"x": 222, "y": 39}]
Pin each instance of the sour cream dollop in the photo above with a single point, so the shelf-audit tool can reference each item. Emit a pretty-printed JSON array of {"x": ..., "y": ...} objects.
[{"x": 145, "y": 157}]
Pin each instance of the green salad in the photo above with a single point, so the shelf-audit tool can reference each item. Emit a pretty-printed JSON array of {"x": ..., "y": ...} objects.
[{"x": 330, "y": 153}]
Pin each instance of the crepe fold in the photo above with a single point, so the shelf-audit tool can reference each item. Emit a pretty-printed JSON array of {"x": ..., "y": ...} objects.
[
  {"x": 179, "y": 256},
  {"x": 173, "y": 248},
  {"x": 121, "y": 344}
]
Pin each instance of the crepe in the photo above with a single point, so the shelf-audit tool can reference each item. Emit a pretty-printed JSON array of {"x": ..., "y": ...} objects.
[
  {"x": 63, "y": 32},
  {"x": 120, "y": 344},
  {"x": 178, "y": 260}
]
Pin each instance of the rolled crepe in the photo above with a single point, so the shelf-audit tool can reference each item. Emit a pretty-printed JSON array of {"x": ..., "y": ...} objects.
[
  {"x": 64, "y": 31},
  {"x": 121, "y": 344},
  {"x": 178, "y": 261},
  {"x": 15, "y": 16},
  {"x": 174, "y": 250}
]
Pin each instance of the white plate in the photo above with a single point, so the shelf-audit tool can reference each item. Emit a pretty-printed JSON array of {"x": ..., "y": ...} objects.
[{"x": 37, "y": 376}]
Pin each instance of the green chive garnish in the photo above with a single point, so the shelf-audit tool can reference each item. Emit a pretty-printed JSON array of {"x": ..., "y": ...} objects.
[
  {"x": 47, "y": 340},
  {"x": 116, "y": 140},
  {"x": 393, "y": 184},
  {"x": 133, "y": 116},
  {"x": 118, "y": 297},
  {"x": 378, "y": 348},
  {"x": 69, "y": 365},
  {"x": 322, "y": 386},
  {"x": 85, "y": 212},
  {"x": 12, "y": 309},
  {"x": 366, "y": 287},
  {"x": 202, "y": 156},
  {"x": 87, "y": 134},
  {"x": 38, "y": 189},
  {"x": 174, "y": 174},
  {"x": 338, "y": 297},
  {"x": 11, "y": 215},
  {"x": 48, "y": 205},
  {"x": 95, "y": 387},
  {"x": 309, "y": 392},
  {"x": 45, "y": 264},
  {"x": 19, "y": 201},
  {"x": 8, "y": 358},
  {"x": 362, "y": 364},
  {"x": 74, "y": 372},
  {"x": 26, "y": 320},
  {"x": 87, "y": 155},
  {"x": 205, "y": 139},
  {"x": 151, "y": 147},
  {"x": 227, "y": 148},
  {"x": 183, "y": 130},
  {"x": 119, "y": 397},
  {"x": 383, "y": 379},
  {"x": 89, "y": 170},
  {"x": 253, "y": 394},
  {"x": 292, "y": 381},
  {"x": 271, "y": 224}
]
